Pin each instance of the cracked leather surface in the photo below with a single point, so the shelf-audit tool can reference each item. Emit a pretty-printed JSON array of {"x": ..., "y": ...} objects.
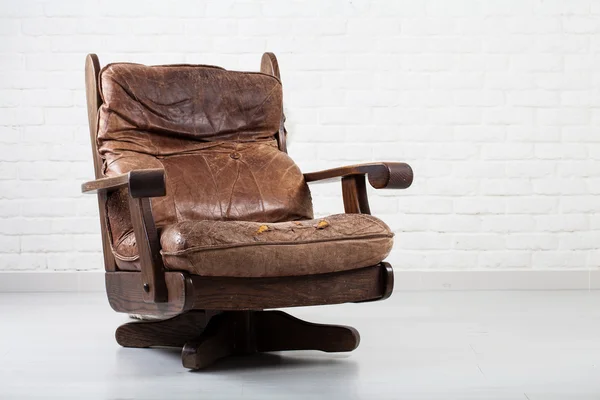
[
  {"x": 213, "y": 132},
  {"x": 335, "y": 243}
]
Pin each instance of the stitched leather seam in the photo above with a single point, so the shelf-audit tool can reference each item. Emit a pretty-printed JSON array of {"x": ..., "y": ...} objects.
[
  {"x": 198, "y": 249},
  {"x": 374, "y": 220}
]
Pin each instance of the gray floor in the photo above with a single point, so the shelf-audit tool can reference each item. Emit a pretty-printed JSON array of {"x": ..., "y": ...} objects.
[{"x": 416, "y": 345}]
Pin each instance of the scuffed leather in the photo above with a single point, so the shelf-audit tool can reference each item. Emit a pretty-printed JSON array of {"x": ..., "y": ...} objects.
[
  {"x": 213, "y": 132},
  {"x": 178, "y": 108},
  {"x": 253, "y": 249}
]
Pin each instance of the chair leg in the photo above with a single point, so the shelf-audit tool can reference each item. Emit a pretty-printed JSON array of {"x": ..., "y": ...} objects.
[
  {"x": 209, "y": 336},
  {"x": 216, "y": 341},
  {"x": 173, "y": 332},
  {"x": 277, "y": 330}
]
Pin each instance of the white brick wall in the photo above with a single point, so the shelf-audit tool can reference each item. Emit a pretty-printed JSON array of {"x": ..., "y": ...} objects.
[{"x": 496, "y": 104}]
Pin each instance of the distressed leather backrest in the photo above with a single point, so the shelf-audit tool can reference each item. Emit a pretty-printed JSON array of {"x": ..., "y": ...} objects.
[{"x": 212, "y": 131}]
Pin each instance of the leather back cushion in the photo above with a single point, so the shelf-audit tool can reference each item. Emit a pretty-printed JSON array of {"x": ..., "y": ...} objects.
[{"x": 212, "y": 131}]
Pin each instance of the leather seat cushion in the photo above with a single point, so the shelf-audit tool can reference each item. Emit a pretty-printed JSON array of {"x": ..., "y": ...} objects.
[{"x": 253, "y": 249}]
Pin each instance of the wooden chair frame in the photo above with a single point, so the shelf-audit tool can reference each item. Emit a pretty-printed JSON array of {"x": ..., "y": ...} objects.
[{"x": 212, "y": 317}]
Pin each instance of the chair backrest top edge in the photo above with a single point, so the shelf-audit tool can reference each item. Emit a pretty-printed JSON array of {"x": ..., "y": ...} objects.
[{"x": 184, "y": 65}]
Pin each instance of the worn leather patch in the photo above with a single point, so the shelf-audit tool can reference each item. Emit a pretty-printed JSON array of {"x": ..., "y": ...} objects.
[{"x": 254, "y": 249}]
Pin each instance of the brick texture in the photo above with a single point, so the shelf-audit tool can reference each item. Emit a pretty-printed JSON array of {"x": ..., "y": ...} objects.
[{"x": 496, "y": 104}]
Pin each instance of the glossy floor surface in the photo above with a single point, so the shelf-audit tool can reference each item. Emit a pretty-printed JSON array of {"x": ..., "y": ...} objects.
[{"x": 416, "y": 345}]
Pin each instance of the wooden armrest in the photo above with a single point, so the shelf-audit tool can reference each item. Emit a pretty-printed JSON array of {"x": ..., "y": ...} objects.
[
  {"x": 381, "y": 175},
  {"x": 141, "y": 183}
]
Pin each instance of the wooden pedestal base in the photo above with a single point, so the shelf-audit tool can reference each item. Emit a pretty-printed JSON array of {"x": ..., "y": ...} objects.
[{"x": 207, "y": 336}]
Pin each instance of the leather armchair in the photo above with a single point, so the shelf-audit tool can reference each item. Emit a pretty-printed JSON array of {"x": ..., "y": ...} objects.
[{"x": 207, "y": 222}]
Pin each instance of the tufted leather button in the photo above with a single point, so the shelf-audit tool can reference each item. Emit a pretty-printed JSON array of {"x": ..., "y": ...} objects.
[{"x": 235, "y": 155}]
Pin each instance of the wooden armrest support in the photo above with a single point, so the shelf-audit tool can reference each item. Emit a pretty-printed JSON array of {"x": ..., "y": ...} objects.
[
  {"x": 381, "y": 175},
  {"x": 140, "y": 182}
]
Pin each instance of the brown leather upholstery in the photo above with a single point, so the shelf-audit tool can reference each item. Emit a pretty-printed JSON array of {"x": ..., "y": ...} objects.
[
  {"x": 253, "y": 249},
  {"x": 213, "y": 132}
]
